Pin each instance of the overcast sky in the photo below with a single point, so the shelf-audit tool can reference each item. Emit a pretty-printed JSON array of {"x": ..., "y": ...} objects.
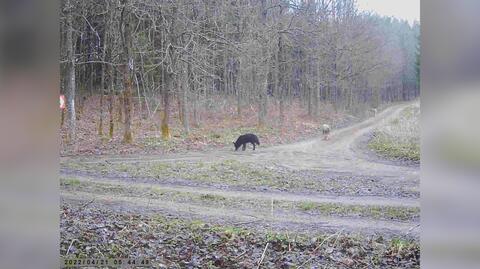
[{"x": 403, "y": 9}]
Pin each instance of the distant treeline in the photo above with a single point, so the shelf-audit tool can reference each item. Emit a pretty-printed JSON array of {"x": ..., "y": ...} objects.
[{"x": 262, "y": 52}]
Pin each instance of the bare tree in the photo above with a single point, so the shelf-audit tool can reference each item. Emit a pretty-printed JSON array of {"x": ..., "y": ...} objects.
[
  {"x": 127, "y": 69},
  {"x": 70, "y": 71}
]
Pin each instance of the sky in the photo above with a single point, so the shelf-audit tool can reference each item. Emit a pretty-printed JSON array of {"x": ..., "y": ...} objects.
[{"x": 402, "y": 9}]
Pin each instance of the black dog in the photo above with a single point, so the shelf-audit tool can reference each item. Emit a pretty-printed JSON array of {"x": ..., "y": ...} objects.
[{"x": 244, "y": 139}]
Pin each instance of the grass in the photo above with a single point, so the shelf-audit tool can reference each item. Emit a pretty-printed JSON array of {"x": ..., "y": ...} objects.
[
  {"x": 212, "y": 197},
  {"x": 70, "y": 181},
  {"x": 401, "y": 248},
  {"x": 399, "y": 138},
  {"x": 229, "y": 172},
  {"x": 244, "y": 175},
  {"x": 375, "y": 212},
  {"x": 262, "y": 205},
  {"x": 307, "y": 206}
]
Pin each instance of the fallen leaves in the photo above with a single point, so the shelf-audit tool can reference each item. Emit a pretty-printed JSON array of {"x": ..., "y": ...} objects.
[
  {"x": 218, "y": 127},
  {"x": 95, "y": 232}
]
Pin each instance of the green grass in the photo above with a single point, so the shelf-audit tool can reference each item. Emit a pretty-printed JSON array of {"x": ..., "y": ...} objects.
[
  {"x": 70, "y": 181},
  {"x": 376, "y": 212},
  {"x": 307, "y": 206}
]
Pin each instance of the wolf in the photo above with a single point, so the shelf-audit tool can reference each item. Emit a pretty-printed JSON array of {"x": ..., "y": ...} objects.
[
  {"x": 325, "y": 131},
  {"x": 244, "y": 139}
]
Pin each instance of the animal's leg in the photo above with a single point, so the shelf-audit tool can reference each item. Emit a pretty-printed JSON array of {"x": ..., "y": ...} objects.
[
  {"x": 244, "y": 146},
  {"x": 253, "y": 145}
]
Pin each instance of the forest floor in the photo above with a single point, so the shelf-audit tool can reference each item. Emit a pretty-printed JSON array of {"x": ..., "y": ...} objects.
[{"x": 315, "y": 202}]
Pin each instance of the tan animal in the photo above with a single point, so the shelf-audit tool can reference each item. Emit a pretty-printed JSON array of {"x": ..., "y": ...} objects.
[{"x": 326, "y": 131}]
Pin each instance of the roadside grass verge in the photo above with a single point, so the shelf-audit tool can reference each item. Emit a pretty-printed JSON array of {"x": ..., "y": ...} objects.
[
  {"x": 244, "y": 176},
  {"x": 375, "y": 212},
  {"x": 400, "y": 138},
  {"x": 169, "y": 242},
  {"x": 220, "y": 201}
]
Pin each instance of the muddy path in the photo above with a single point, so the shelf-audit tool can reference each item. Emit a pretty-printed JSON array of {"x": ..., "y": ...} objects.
[{"x": 339, "y": 154}]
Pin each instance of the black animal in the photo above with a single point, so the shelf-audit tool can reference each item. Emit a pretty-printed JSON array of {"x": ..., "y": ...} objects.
[{"x": 244, "y": 139}]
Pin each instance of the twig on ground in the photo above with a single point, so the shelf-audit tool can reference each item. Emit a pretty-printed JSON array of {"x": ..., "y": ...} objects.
[
  {"x": 82, "y": 206},
  {"x": 411, "y": 228},
  {"x": 99, "y": 251},
  {"x": 324, "y": 240},
  {"x": 289, "y": 246},
  {"x": 241, "y": 254},
  {"x": 246, "y": 222},
  {"x": 263, "y": 256},
  {"x": 69, "y": 247}
]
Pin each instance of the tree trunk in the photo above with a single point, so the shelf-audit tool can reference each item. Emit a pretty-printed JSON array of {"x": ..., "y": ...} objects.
[
  {"x": 195, "y": 110},
  {"x": 102, "y": 93},
  {"x": 309, "y": 100},
  {"x": 127, "y": 70},
  {"x": 263, "y": 90},
  {"x": 180, "y": 105},
  {"x": 120, "y": 107},
  {"x": 282, "y": 107},
  {"x": 190, "y": 91},
  {"x": 112, "y": 75},
  {"x": 184, "y": 89},
  {"x": 100, "y": 121},
  {"x": 238, "y": 87},
  {"x": 62, "y": 120},
  {"x": 166, "y": 110},
  {"x": 111, "y": 104},
  {"x": 70, "y": 89}
]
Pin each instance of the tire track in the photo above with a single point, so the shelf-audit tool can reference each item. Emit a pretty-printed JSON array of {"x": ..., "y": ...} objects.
[{"x": 337, "y": 155}]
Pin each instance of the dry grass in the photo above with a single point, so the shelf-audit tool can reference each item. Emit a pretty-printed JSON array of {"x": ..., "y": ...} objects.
[{"x": 399, "y": 138}]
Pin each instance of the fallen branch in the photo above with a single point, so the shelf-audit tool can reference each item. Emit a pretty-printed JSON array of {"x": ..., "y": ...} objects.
[{"x": 263, "y": 256}]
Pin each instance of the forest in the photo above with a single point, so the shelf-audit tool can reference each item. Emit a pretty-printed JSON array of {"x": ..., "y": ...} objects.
[
  {"x": 156, "y": 91},
  {"x": 132, "y": 69}
]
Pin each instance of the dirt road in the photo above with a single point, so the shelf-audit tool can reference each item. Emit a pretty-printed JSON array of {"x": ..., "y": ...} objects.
[{"x": 341, "y": 154}]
